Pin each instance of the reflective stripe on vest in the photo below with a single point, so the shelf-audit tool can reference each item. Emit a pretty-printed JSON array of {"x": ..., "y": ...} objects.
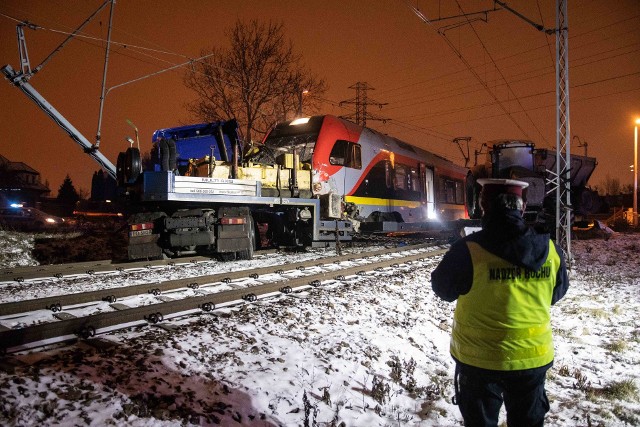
[{"x": 503, "y": 323}]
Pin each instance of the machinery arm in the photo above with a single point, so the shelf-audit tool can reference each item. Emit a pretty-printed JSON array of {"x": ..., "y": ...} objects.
[{"x": 18, "y": 80}]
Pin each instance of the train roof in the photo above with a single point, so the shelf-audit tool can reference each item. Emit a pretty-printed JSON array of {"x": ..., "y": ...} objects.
[
  {"x": 508, "y": 141},
  {"x": 314, "y": 123}
]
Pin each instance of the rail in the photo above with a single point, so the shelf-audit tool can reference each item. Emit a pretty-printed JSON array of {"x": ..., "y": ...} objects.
[{"x": 70, "y": 327}]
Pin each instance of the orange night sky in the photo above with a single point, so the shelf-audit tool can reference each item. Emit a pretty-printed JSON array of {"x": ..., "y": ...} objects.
[{"x": 430, "y": 93}]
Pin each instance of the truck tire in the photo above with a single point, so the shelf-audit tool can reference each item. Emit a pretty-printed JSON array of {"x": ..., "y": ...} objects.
[
  {"x": 248, "y": 253},
  {"x": 132, "y": 165}
]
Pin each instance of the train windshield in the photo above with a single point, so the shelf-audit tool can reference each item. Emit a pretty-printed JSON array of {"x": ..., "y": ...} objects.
[
  {"x": 515, "y": 154},
  {"x": 274, "y": 147},
  {"x": 286, "y": 137}
]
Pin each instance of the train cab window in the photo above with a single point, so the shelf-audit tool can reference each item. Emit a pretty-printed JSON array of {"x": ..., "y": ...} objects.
[{"x": 345, "y": 153}]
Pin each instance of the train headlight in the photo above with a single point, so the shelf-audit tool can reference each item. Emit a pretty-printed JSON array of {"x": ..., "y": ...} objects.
[
  {"x": 301, "y": 121},
  {"x": 304, "y": 214}
]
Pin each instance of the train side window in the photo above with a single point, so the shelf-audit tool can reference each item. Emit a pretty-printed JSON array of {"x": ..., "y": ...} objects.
[
  {"x": 400, "y": 178},
  {"x": 355, "y": 158},
  {"x": 451, "y": 191},
  {"x": 387, "y": 173},
  {"x": 459, "y": 193},
  {"x": 415, "y": 182},
  {"x": 345, "y": 153}
]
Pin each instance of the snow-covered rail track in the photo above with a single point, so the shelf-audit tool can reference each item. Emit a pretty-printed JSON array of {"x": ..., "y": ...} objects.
[
  {"x": 42, "y": 272},
  {"x": 203, "y": 294}
]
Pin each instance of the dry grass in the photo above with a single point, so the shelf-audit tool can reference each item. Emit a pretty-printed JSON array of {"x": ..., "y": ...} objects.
[
  {"x": 620, "y": 390},
  {"x": 617, "y": 346},
  {"x": 91, "y": 242}
]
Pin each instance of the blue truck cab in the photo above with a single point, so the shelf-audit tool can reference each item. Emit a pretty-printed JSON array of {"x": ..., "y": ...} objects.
[{"x": 174, "y": 147}]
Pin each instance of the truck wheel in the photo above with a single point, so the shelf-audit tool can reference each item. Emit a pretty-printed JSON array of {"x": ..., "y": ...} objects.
[
  {"x": 226, "y": 256},
  {"x": 248, "y": 253},
  {"x": 132, "y": 165}
]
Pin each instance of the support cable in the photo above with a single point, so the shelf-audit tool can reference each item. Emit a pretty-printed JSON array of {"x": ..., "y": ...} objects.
[
  {"x": 470, "y": 68},
  {"x": 104, "y": 75},
  {"x": 69, "y": 37},
  {"x": 506, "y": 83}
]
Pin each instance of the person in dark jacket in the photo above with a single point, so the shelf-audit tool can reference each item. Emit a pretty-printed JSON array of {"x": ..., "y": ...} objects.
[{"x": 505, "y": 278}]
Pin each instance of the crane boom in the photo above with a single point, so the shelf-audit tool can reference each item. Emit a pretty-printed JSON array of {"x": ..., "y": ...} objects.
[{"x": 18, "y": 80}]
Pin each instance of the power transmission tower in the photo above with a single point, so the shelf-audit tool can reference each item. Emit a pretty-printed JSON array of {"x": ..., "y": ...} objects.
[{"x": 361, "y": 101}]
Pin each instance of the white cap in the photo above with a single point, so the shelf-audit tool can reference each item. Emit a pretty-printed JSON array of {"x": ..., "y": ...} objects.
[{"x": 493, "y": 186}]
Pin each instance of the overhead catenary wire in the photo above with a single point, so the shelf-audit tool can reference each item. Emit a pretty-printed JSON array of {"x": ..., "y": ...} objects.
[
  {"x": 436, "y": 79},
  {"x": 142, "y": 48},
  {"x": 576, "y": 99},
  {"x": 458, "y": 71},
  {"x": 548, "y": 45},
  {"x": 448, "y": 94},
  {"x": 401, "y": 105},
  {"x": 421, "y": 16},
  {"x": 81, "y": 35},
  {"x": 474, "y": 107},
  {"x": 133, "y": 49},
  {"x": 610, "y": 9},
  {"x": 416, "y": 128}
]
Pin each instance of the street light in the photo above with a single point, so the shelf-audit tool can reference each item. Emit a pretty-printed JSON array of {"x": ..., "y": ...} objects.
[
  {"x": 301, "y": 93},
  {"x": 635, "y": 174}
]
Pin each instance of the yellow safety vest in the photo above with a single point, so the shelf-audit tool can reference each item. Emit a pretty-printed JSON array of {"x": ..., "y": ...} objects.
[{"x": 503, "y": 323}]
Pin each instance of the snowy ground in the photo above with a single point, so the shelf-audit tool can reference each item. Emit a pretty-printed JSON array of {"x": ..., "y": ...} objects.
[{"x": 373, "y": 352}]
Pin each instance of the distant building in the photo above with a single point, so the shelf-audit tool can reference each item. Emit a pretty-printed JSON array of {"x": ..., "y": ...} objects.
[{"x": 20, "y": 183}]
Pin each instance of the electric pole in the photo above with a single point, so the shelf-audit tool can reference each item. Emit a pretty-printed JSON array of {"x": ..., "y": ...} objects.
[
  {"x": 561, "y": 177},
  {"x": 563, "y": 142}
]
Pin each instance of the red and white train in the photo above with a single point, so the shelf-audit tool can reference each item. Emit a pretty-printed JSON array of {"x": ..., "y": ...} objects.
[{"x": 378, "y": 178}]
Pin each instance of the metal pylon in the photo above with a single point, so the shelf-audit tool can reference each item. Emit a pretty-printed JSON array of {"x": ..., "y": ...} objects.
[
  {"x": 563, "y": 140},
  {"x": 361, "y": 102}
]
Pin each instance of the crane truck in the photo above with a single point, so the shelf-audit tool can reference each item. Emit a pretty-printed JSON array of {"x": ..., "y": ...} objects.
[{"x": 521, "y": 160}]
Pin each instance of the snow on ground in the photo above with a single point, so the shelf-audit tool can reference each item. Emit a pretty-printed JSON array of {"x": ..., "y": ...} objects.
[{"x": 371, "y": 352}]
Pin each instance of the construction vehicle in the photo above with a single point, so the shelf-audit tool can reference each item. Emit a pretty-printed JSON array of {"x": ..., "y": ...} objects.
[
  {"x": 175, "y": 213},
  {"x": 521, "y": 160}
]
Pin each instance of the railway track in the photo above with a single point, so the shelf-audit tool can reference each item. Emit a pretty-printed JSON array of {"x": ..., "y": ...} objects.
[
  {"x": 42, "y": 321},
  {"x": 20, "y": 274},
  {"x": 43, "y": 272}
]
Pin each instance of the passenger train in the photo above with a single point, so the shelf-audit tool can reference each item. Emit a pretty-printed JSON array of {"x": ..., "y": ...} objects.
[{"x": 378, "y": 178}]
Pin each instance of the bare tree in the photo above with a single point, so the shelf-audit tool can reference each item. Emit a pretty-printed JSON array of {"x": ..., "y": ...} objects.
[
  {"x": 611, "y": 186},
  {"x": 259, "y": 80},
  {"x": 627, "y": 189}
]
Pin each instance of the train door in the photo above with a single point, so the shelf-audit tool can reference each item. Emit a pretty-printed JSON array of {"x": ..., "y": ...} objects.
[
  {"x": 348, "y": 155},
  {"x": 428, "y": 195}
]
